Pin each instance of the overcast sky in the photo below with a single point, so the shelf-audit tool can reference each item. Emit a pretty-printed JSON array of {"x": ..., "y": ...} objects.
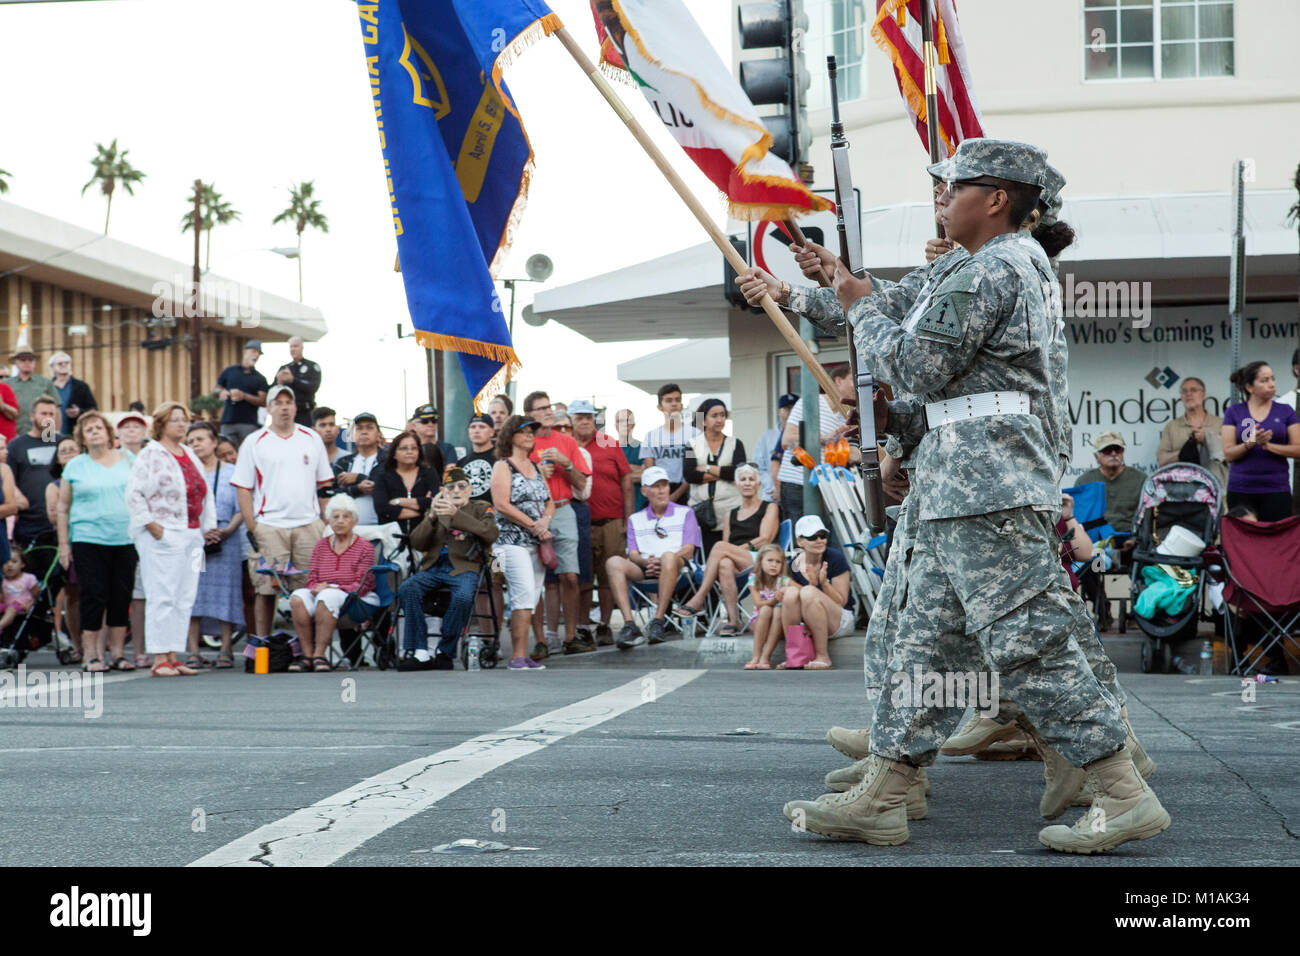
[{"x": 256, "y": 96}]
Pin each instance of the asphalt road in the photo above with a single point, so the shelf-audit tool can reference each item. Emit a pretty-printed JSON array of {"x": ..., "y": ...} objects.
[{"x": 623, "y": 758}]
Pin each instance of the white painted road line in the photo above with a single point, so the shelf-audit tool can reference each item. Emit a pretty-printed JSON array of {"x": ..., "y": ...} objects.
[{"x": 331, "y": 828}]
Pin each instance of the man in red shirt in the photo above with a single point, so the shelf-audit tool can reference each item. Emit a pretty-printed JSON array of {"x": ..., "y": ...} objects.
[
  {"x": 612, "y": 500},
  {"x": 564, "y": 468}
]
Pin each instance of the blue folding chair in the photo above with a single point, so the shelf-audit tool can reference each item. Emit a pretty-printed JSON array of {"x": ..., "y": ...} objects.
[
  {"x": 373, "y": 626},
  {"x": 643, "y": 596}
]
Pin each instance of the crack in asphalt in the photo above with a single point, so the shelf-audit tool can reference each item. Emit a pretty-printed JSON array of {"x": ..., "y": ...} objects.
[{"x": 1261, "y": 797}]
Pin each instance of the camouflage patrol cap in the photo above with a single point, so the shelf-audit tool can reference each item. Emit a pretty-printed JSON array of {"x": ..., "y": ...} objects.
[
  {"x": 1001, "y": 158},
  {"x": 1053, "y": 183}
]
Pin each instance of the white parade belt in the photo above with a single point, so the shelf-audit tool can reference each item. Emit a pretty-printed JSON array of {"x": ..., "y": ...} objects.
[{"x": 976, "y": 406}]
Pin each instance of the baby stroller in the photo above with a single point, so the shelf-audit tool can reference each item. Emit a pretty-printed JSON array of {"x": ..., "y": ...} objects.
[
  {"x": 1176, "y": 520},
  {"x": 35, "y": 628}
]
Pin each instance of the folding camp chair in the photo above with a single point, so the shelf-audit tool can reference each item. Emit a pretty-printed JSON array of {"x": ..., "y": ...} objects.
[
  {"x": 843, "y": 496},
  {"x": 1090, "y": 512},
  {"x": 367, "y": 632},
  {"x": 643, "y": 597},
  {"x": 1262, "y": 586}
]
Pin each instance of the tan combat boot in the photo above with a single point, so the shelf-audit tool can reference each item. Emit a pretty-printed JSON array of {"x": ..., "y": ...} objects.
[
  {"x": 976, "y": 735},
  {"x": 854, "y": 744},
  {"x": 1145, "y": 765},
  {"x": 1061, "y": 781},
  {"x": 1018, "y": 746},
  {"x": 874, "y": 811},
  {"x": 1124, "y": 809},
  {"x": 839, "y": 781}
]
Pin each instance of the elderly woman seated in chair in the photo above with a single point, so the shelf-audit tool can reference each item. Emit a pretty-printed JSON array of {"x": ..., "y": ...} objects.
[
  {"x": 340, "y": 565},
  {"x": 456, "y": 538}
]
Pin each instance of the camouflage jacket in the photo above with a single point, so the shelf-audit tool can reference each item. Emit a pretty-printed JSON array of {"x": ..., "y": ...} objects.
[{"x": 986, "y": 328}]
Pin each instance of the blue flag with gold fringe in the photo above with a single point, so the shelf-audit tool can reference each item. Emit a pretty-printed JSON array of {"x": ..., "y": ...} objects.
[{"x": 457, "y": 162}]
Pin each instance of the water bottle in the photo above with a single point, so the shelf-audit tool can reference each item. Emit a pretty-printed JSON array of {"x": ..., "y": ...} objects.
[
  {"x": 1182, "y": 665},
  {"x": 475, "y": 647},
  {"x": 1207, "y": 658}
]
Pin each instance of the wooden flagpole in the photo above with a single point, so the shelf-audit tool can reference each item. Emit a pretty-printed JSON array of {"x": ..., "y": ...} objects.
[
  {"x": 930, "y": 57},
  {"x": 719, "y": 239}
]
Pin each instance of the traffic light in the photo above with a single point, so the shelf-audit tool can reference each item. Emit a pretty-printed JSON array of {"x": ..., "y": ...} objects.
[{"x": 779, "y": 79}]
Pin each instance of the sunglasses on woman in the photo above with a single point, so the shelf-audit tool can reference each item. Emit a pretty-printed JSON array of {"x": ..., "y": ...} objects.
[{"x": 819, "y": 536}]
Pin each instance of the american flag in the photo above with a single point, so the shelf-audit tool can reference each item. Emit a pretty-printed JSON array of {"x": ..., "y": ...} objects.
[{"x": 897, "y": 31}]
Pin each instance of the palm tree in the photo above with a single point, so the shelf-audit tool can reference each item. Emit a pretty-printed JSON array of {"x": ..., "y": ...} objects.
[
  {"x": 216, "y": 212},
  {"x": 303, "y": 211},
  {"x": 111, "y": 168},
  {"x": 4, "y": 180}
]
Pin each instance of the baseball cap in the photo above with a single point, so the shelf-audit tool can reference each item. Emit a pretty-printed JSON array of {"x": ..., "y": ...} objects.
[
  {"x": 482, "y": 420},
  {"x": 253, "y": 344},
  {"x": 527, "y": 423},
  {"x": 275, "y": 391},
  {"x": 454, "y": 474},
  {"x": 428, "y": 412},
  {"x": 580, "y": 406},
  {"x": 1106, "y": 439},
  {"x": 787, "y": 400},
  {"x": 131, "y": 416},
  {"x": 807, "y": 526},
  {"x": 652, "y": 475},
  {"x": 365, "y": 417}
]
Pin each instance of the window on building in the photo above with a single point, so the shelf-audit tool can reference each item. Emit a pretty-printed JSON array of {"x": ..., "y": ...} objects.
[
  {"x": 1157, "y": 39},
  {"x": 839, "y": 27}
]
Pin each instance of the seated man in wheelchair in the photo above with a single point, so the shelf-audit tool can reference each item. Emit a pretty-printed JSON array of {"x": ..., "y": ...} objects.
[{"x": 455, "y": 538}]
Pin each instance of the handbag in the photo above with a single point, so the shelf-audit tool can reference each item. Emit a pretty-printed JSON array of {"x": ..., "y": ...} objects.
[
  {"x": 213, "y": 547},
  {"x": 546, "y": 554},
  {"x": 799, "y": 648},
  {"x": 705, "y": 514}
]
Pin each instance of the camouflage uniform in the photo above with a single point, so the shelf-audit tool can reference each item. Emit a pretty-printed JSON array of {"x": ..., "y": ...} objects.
[{"x": 982, "y": 585}]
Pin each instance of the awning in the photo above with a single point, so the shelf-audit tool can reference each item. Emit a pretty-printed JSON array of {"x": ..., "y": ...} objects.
[
  {"x": 1180, "y": 242},
  {"x": 699, "y": 366}
]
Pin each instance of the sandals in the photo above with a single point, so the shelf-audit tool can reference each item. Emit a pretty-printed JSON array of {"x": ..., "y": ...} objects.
[
  {"x": 819, "y": 666},
  {"x": 165, "y": 669},
  {"x": 184, "y": 669},
  {"x": 321, "y": 666},
  {"x": 197, "y": 662},
  {"x": 298, "y": 665},
  {"x": 94, "y": 666},
  {"x": 686, "y": 612},
  {"x": 758, "y": 666},
  {"x": 142, "y": 660},
  {"x": 730, "y": 630},
  {"x": 225, "y": 661},
  {"x": 121, "y": 664}
]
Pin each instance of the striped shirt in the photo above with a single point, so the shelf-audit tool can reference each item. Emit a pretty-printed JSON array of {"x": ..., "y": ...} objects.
[
  {"x": 349, "y": 571},
  {"x": 677, "y": 526}
]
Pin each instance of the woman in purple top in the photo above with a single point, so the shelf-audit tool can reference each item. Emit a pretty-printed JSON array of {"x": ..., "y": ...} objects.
[{"x": 1259, "y": 434}]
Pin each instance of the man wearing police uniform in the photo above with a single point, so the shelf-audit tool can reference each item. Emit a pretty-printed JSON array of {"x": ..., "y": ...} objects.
[
  {"x": 303, "y": 377},
  {"x": 982, "y": 583}
]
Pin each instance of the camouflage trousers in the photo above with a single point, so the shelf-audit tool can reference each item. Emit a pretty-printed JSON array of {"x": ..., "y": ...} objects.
[
  {"x": 882, "y": 626},
  {"x": 988, "y": 593}
]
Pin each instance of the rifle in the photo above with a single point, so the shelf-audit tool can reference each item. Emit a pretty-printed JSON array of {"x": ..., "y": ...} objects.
[{"x": 848, "y": 225}]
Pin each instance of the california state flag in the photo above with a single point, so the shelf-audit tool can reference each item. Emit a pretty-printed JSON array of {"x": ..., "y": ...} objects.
[{"x": 660, "y": 46}]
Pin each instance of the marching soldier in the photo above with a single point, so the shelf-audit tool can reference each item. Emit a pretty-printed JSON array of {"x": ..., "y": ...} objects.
[{"x": 986, "y": 587}]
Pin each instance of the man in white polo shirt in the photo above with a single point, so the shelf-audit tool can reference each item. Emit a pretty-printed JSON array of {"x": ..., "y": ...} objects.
[
  {"x": 660, "y": 541},
  {"x": 279, "y": 470}
]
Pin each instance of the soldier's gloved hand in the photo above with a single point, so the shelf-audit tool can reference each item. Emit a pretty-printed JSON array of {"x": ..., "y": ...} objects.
[{"x": 813, "y": 260}]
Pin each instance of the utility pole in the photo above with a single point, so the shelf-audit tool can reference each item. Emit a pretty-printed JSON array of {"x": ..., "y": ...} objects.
[{"x": 196, "y": 365}]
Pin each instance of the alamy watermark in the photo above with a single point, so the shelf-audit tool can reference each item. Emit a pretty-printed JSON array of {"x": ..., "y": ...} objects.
[
  {"x": 231, "y": 301},
  {"x": 1100, "y": 300},
  {"x": 66, "y": 690},
  {"x": 947, "y": 689}
]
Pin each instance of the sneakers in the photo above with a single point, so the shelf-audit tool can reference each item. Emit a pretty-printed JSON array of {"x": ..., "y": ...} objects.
[
  {"x": 525, "y": 664},
  {"x": 977, "y": 734},
  {"x": 841, "y": 780},
  {"x": 409, "y": 662},
  {"x": 580, "y": 645},
  {"x": 1061, "y": 780},
  {"x": 854, "y": 744},
  {"x": 874, "y": 811},
  {"x": 656, "y": 631},
  {"x": 1124, "y": 809},
  {"x": 630, "y": 636},
  {"x": 541, "y": 651},
  {"x": 604, "y": 636}
]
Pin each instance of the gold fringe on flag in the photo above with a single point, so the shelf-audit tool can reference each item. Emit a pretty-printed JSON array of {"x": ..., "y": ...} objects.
[
  {"x": 504, "y": 354},
  {"x": 942, "y": 43},
  {"x": 911, "y": 93}
]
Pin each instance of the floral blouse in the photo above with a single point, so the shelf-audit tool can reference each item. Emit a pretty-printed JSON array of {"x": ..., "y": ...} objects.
[{"x": 156, "y": 491}]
